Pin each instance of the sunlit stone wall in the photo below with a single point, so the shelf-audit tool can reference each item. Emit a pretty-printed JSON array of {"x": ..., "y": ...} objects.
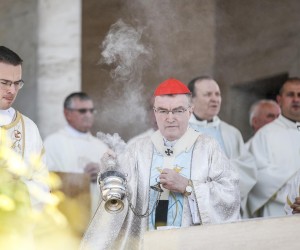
[{"x": 59, "y": 59}]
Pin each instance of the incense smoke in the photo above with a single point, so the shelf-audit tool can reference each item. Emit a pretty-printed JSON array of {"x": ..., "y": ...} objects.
[{"x": 124, "y": 52}]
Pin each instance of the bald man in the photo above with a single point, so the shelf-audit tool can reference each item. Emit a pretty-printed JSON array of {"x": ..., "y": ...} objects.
[{"x": 261, "y": 113}]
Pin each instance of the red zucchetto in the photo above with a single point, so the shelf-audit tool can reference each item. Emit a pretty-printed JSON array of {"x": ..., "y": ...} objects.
[{"x": 171, "y": 86}]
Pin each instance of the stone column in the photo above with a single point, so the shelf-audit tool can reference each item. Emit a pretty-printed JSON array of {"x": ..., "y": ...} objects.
[{"x": 59, "y": 59}]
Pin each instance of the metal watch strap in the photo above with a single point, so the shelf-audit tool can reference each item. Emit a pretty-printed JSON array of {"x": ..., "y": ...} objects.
[{"x": 190, "y": 183}]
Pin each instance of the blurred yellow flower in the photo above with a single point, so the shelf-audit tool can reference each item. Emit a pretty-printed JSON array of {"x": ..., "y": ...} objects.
[
  {"x": 21, "y": 225},
  {"x": 6, "y": 203},
  {"x": 54, "y": 182}
]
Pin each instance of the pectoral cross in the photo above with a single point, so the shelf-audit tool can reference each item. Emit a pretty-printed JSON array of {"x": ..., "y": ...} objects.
[{"x": 169, "y": 152}]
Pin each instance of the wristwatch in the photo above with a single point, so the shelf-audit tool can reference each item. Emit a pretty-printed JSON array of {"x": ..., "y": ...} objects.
[{"x": 188, "y": 189}]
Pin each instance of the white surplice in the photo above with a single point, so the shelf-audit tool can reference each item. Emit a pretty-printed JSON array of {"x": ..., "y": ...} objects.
[
  {"x": 276, "y": 148},
  {"x": 69, "y": 151},
  {"x": 239, "y": 157}
]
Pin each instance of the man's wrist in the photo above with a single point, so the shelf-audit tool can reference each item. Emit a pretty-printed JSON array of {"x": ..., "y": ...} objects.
[{"x": 189, "y": 188}]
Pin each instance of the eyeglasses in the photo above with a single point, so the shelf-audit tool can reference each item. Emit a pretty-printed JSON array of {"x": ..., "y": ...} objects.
[
  {"x": 83, "y": 111},
  {"x": 165, "y": 112},
  {"x": 6, "y": 84}
]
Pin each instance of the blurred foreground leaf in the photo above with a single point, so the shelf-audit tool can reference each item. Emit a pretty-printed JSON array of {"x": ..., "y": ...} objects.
[{"x": 21, "y": 226}]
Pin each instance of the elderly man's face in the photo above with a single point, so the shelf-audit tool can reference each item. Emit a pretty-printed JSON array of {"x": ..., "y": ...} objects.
[
  {"x": 172, "y": 125},
  {"x": 207, "y": 100},
  {"x": 289, "y": 100},
  {"x": 266, "y": 113}
]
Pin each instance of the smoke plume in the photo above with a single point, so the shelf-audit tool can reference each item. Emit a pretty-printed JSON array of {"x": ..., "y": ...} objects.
[{"x": 126, "y": 55}]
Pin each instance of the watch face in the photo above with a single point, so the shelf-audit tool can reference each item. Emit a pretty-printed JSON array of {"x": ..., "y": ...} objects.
[{"x": 188, "y": 189}]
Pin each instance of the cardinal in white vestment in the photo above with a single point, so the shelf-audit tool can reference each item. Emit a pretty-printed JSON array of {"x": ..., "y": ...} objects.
[{"x": 199, "y": 185}]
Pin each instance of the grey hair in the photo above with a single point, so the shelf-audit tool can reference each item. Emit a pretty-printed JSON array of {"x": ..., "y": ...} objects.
[{"x": 254, "y": 107}]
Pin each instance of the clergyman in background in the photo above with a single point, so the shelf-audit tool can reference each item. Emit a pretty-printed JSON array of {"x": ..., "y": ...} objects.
[
  {"x": 73, "y": 149},
  {"x": 261, "y": 113},
  {"x": 206, "y": 97},
  {"x": 276, "y": 148}
]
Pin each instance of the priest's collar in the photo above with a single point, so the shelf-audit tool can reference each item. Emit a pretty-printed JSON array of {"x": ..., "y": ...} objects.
[
  {"x": 74, "y": 132},
  {"x": 184, "y": 143},
  {"x": 201, "y": 120},
  {"x": 7, "y": 116},
  {"x": 289, "y": 122},
  {"x": 290, "y": 119},
  {"x": 215, "y": 122},
  {"x": 169, "y": 144}
]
